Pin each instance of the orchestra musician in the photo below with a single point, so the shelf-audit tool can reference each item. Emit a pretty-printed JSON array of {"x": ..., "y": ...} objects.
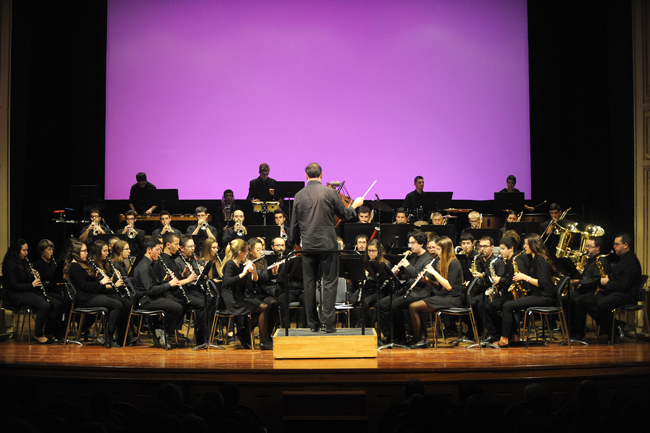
[
  {"x": 262, "y": 290},
  {"x": 111, "y": 242},
  {"x": 281, "y": 220},
  {"x": 211, "y": 252},
  {"x": 363, "y": 213},
  {"x": 140, "y": 198},
  {"x": 45, "y": 265},
  {"x": 227, "y": 207},
  {"x": 193, "y": 297},
  {"x": 97, "y": 289},
  {"x": 400, "y": 216},
  {"x": 238, "y": 231},
  {"x": 511, "y": 218},
  {"x": 295, "y": 285},
  {"x": 374, "y": 253},
  {"x": 415, "y": 199},
  {"x": 448, "y": 286},
  {"x": 511, "y": 181},
  {"x": 412, "y": 266},
  {"x": 202, "y": 228},
  {"x": 538, "y": 281},
  {"x": 261, "y": 189},
  {"x": 23, "y": 289},
  {"x": 94, "y": 228},
  {"x": 154, "y": 290},
  {"x": 165, "y": 226},
  {"x": 315, "y": 208},
  {"x": 135, "y": 236},
  {"x": 474, "y": 221},
  {"x": 619, "y": 287},
  {"x": 237, "y": 273},
  {"x": 120, "y": 257},
  {"x": 587, "y": 284},
  {"x": 360, "y": 242},
  {"x": 437, "y": 219},
  {"x": 547, "y": 228}
]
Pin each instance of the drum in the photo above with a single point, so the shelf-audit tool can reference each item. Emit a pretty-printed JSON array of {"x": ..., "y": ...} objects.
[
  {"x": 493, "y": 221},
  {"x": 258, "y": 206},
  {"x": 535, "y": 217},
  {"x": 272, "y": 206}
]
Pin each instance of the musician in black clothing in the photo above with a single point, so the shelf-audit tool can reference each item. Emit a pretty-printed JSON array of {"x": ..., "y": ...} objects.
[
  {"x": 415, "y": 199},
  {"x": 315, "y": 207},
  {"x": 400, "y": 216},
  {"x": 619, "y": 287},
  {"x": 296, "y": 287},
  {"x": 45, "y": 265},
  {"x": 488, "y": 266},
  {"x": 547, "y": 229},
  {"x": 468, "y": 252},
  {"x": 154, "y": 290},
  {"x": 165, "y": 226},
  {"x": 363, "y": 213},
  {"x": 95, "y": 227},
  {"x": 202, "y": 228},
  {"x": 135, "y": 236},
  {"x": 237, "y": 231},
  {"x": 140, "y": 196},
  {"x": 262, "y": 188},
  {"x": 23, "y": 290},
  {"x": 412, "y": 266}
]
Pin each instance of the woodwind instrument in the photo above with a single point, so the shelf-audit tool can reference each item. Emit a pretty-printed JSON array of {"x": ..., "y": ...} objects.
[
  {"x": 37, "y": 277},
  {"x": 419, "y": 277},
  {"x": 101, "y": 272},
  {"x": 118, "y": 274},
  {"x": 517, "y": 288},
  {"x": 172, "y": 276},
  {"x": 395, "y": 269},
  {"x": 493, "y": 291}
]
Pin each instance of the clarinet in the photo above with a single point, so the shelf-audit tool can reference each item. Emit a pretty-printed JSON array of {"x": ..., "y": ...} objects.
[
  {"x": 119, "y": 277},
  {"x": 172, "y": 276},
  {"x": 419, "y": 277},
  {"x": 395, "y": 270},
  {"x": 36, "y": 277},
  {"x": 101, "y": 272},
  {"x": 201, "y": 268}
]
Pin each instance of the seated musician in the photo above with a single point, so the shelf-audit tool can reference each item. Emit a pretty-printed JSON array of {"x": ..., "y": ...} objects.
[
  {"x": 468, "y": 252},
  {"x": 374, "y": 253},
  {"x": 140, "y": 198},
  {"x": 95, "y": 227},
  {"x": 400, "y": 216},
  {"x": 153, "y": 286},
  {"x": 437, "y": 219},
  {"x": 261, "y": 189},
  {"x": 97, "y": 289},
  {"x": 547, "y": 228},
  {"x": 120, "y": 257},
  {"x": 45, "y": 265},
  {"x": 415, "y": 199},
  {"x": 238, "y": 272},
  {"x": 111, "y": 242},
  {"x": 538, "y": 282},
  {"x": 363, "y": 213},
  {"x": 135, "y": 236},
  {"x": 360, "y": 242},
  {"x": 488, "y": 267},
  {"x": 194, "y": 296},
  {"x": 264, "y": 291},
  {"x": 511, "y": 218},
  {"x": 619, "y": 287},
  {"x": 165, "y": 226},
  {"x": 412, "y": 266},
  {"x": 23, "y": 288},
  {"x": 447, "y": 279},
  {"x": 211, "y": 252},
  {"x": 474, "y": 221},
  {"x": 238, "y": 231},
  {"x": 202, "y": 229},
  {"x": 296, "y": 287},
  {"x": 587, "y": 284},
  {"x": 281, "y": 220}
]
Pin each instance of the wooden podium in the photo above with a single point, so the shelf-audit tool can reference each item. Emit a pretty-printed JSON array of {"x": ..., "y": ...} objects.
[{"x": 301, "y": 343}]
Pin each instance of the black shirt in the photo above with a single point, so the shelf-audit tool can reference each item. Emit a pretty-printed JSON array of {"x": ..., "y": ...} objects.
[
  {"x": 141, "y": 197},
  {"x": 413, "y": 200},
  {"x": 259, "y": 189}
]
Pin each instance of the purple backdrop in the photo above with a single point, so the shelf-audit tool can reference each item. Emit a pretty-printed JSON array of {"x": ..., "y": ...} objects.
[{"x": 199, "y": 93}]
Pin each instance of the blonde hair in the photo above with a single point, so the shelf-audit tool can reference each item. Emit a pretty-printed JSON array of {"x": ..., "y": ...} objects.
[
  {"x": 446, "y": 255},
  {"x": 233, "y": 249},
  {"x": 206, "y": 254}
]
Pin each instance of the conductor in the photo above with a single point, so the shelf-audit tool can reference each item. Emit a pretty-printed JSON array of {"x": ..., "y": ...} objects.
[{"x": 313, "y": 221}]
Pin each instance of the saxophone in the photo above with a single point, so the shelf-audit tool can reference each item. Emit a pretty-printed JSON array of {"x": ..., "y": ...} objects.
[
  {"x": 517, "y": 288},
  {"x": 602, "y": 272},
  {"x": 493, "y": 291}
]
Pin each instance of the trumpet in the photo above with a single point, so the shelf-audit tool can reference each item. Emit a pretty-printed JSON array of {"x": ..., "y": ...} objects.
[
  {"x": 96, "y": 229},
  {"x": 241, "y": 231},
  {"x": 203, "y": 225},
  {"x": 131, "y": 234}
]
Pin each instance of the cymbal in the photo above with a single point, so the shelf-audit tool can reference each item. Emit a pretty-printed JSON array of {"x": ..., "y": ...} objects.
[
  {"x": 451, "y": 209},
  {"x": 98, "y": 206},
  {"x": 380, "y": 206}
]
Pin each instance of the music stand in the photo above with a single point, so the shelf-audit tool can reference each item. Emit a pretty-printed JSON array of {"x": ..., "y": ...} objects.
[
  {"x": 509, "y": 200},
  {"x": 495, "y": 234},
  {"x": 395, "y": 234},
  {"x": 169, "y": 196},
  {"x": 288, "y": 189},
  {"x": 268, "y": 233},
  {"x": 448, "y": 230},
  {"x": 352, "y": 230},
  {"x": 86, "y": 193},
  {"x": 386, "y": 273},
  {"x": 292, "y": 269},
  {"x": 434, "y": 201},
  {"x": 201, "y": 281},
  {"x": 352, "y": 268},
  {"x": 523, "y": 228}
]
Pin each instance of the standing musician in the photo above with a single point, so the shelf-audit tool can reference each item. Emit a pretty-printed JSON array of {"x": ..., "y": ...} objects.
[
  {"x": 238, "y": 231},
  {"x": 120, "y": 256},
  {"x": 135, "y": 236},
  {"x": 139, "y": 197},
  {"x": 202, "y": 228},
  {"x": 437, "y": 219},
  {"x": 539, "y": 282},
  {"x": 619, "y": 287},
  {"x": 315, "y": 208},
  {"x": 400, "y": 216},
  {"x": 448, "y": 286},
  {"x": 363, "y": 213},
  {"x": 488, "y": 266},
  {"x": 587, "y": 284},
  {"x": 238, "y": 272},
  {"x": 281, "y": 220},
  {"x": 261, "y": 189},
  {"x": 187, "y": 267},
  {"x": 211, "y": 252},
  {"x": 415, "y": 199},
  {"x": 153, "y": 291},
  {"x": 413, "y": 266},
  {"x": 97, "y": 289},
  {"x": 165, "y": 226},
  {"x": 510, "y": 256},
  {"x": 23, "y": 288},
  {"x": 89, "y": 232}
]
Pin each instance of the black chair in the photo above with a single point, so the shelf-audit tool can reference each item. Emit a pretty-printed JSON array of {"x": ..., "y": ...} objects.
[
  {"x": 222, "y": 312},
  {"x": 457, "y": 311},
  {"x": 548, "y": 311},
  {"x": 71, "y": 290},
  {"x": 25, "y": 311},
  {"x": 633, "y": 307}
]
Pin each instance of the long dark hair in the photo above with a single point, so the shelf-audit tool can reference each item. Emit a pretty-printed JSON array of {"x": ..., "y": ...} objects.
[
  {"x": 74, "y": 254},
  {"x": 13, "y": 256},
  {"x": 446, "y": 255},
  {"x": 538, "y": 248}
]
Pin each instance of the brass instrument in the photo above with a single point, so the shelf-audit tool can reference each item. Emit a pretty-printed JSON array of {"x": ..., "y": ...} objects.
[
  {"x": 132, "y": 233},
  {"x": 96, "y": 229},
  {"x": 480, "y": 221},
  {"x": 241, "y": 231},
  {"x": 37, "y": 277},
  {"x": 521, "y": 214},
  {"x": 204, "y": 225},
  {"x": 517, "y": 287},
  {"x": 172, "y": 276},
  {"x": 554, "y": 225},
  {"x": 118, "y": 274},
  {"x": 493, "y": 291},
  {"x": 419, "y": 277},
  {"x": 567, "y": 229}
]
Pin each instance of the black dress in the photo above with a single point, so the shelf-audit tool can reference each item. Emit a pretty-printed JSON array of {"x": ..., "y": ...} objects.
[
  {"x": 444, "y": 298},
  {"x": 233, "y": 290}
]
